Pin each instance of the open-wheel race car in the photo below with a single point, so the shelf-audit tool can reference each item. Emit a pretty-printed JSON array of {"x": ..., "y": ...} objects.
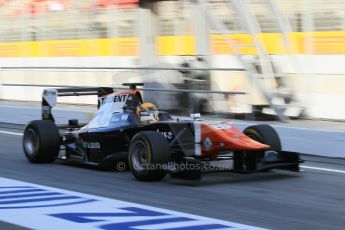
[{"x": 151, "y": 142}]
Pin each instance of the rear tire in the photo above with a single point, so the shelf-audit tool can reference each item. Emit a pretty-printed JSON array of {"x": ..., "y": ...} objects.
[
  {"x": 148, "y": 153},
  {"x": 41, "y": 141}
]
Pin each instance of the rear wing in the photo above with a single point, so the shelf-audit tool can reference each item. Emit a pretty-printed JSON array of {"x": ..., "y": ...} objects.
[{"x": 49, "y": 97}]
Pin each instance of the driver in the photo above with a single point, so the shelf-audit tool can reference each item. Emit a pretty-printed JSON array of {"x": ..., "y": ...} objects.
[{"x": 148, "y": 113}]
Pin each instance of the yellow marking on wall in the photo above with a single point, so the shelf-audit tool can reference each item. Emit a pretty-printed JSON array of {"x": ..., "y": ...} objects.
[
  {"x": 324, "y": 42},
  {"x": 320, "y": 43},
  {"x": 71, "y": 48},
  {"x": 272, "y": 43},
  {"x": 176, "y": 45},
  {"x": 232, "y": 44}
]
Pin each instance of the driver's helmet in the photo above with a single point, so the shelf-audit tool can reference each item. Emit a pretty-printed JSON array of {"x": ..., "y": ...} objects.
[{"x": 147, "y": 112}]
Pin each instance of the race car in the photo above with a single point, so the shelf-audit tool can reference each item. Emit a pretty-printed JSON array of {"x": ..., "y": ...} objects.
[{"x": 153, "y": 143}]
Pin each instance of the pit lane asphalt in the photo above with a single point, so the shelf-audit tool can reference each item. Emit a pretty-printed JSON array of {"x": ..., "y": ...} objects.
[{"x": 277, "y": 200}]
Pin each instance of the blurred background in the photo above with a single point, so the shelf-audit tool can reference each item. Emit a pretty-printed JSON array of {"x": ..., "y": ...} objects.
[{"x": 252, "y": 59}]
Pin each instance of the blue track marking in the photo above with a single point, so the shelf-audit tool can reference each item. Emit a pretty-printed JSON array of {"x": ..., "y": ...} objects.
[
  {"x": 29, "y": 195},
  {"x": 22, "y": 191},
  {"x": 36, "y": 207},
  {"x": 38, "y": 200},
  {"x": 12, "y": 197}
]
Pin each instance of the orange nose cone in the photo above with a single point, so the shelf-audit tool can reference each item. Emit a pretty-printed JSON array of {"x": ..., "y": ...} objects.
[{"x": 224, "y": 137}]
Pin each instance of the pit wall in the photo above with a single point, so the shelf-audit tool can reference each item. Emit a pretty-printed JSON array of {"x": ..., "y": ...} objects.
[{"x": 318, "y": 80}]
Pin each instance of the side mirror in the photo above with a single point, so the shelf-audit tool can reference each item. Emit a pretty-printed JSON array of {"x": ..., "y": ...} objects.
[{"x": 195, "y": 116}]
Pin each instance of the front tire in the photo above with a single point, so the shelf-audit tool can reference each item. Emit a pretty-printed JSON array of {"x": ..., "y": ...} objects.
[
  {"x": 149, "y": 153},
  {"x": 41, "y": 141},
  {"x": 264, "y": 134}
]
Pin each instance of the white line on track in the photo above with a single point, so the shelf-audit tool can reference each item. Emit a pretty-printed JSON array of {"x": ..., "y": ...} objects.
[
  {"x": 11, "y": 133},
  {"x": 20, "y": 107},
  {"x": 292, "y": 127},
  {"x": 323, "y": 169}
]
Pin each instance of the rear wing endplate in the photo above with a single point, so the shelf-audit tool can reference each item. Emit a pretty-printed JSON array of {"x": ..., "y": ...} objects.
[{"x": 49, "y": 97}]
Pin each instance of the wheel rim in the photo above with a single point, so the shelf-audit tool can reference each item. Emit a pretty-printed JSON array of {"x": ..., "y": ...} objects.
[
  {"x": 254, "y": 137},
  {"x": 139, "y": 156},
  {"x": 30, "y": 142}
]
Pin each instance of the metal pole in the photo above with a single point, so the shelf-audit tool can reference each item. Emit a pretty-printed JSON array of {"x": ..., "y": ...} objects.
[
  {"x": 202, "y": 33},
  {"x": 308, "y": 25},
  {"x": 147, "y": 34},
  {"x": 1, "y": 83}
]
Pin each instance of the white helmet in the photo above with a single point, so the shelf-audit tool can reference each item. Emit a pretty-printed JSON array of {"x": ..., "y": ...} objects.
[{"x": 147, "y": 112}]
